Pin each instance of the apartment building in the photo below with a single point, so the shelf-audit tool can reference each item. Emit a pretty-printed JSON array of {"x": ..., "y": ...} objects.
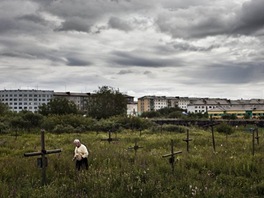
[
  {"x": 29, "y": 100},
  {"x": 79, "y": 99},
  {"x": 218, "y": 106},
  {"x": 154, "y": 103},
  {"x": 151, "y": 103},
  {"x": 202, "y": 105}
]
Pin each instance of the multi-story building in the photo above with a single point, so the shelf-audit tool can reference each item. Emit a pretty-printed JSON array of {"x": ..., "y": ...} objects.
[
  {"x": 145, "y": 103},
  {"x": 202, "y": 105},
  {"x": 240, "y": 111},
  {"x": 218, "y": 106},
  {"x": 79, "y": 99},
  {"x": 153, "y": 103},
  {"x": 28, "y": 100}
]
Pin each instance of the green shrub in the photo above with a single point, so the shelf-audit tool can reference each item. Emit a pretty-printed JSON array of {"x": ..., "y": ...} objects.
[{"x": 225, "y": 129}]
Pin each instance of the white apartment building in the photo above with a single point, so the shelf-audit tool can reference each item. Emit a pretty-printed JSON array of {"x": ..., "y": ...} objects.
[
  {"x": 132, "y": 109},
  {"x": 160, "y": 102},
  {"x": 202, "y": 105},
  {"x": 28, "y": 100}
]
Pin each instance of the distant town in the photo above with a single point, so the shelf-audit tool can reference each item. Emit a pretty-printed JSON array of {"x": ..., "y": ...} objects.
[{"x": 30, "y": 100}]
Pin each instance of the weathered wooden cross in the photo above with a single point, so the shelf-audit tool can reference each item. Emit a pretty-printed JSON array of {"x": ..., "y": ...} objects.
[
  {"x": 187, "y": 140},
  {"x": 172, "y": 156},
  {"x": 109, "y": 139},
  {"x": 212, "y": 130},
  {"x": 43, "y": 161},
  {"x": 135, "y": 147},
  {"x": 257, "y": 135}
]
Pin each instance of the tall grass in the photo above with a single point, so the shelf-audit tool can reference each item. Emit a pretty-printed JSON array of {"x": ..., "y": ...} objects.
[{"x": 116, "y": 171}]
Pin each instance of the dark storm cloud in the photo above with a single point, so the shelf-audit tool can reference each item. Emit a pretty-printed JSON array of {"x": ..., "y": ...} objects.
[
  {"x": 168, "y": 43},
  {"x": 201, "y": 21},
  {"x": 251, "y": 17},
  {"x": 130, "y": 59}
]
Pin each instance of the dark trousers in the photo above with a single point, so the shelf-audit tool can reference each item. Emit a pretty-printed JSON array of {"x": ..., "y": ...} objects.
[{"x": 81, "y": 163}]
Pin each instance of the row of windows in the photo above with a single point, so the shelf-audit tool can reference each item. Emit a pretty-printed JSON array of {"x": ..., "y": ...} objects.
[
  {"x": 202, "y": 107},
  {"x": 23, "y": 108},
  {"x": 25, "y": 99},
  {"x": 25, "y": 95},
  {"x": 25, "y": 103}
]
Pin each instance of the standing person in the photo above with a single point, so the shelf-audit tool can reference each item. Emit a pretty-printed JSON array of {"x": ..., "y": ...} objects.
[{"x": 80, "y": 155}]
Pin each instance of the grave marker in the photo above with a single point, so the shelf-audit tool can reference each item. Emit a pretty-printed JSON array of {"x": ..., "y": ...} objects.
[
  {"x": 212, "y": 130},
  {"x": 135, "y": 147},
  {"x": 109, "y": 139},
  {"x": 187, "y": 140},
  {"x": 172, "y": 156},
  {"x": 257, "y": 136},
  {"x": 42, "y": 162}
]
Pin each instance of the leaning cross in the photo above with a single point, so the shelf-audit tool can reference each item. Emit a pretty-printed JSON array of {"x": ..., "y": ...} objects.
[
  {"x": 172, "y": 156},
  {"x": 109, "y": 139},
  {"x": 212, "y": 130},
  {"x": 42, "y": 162}
]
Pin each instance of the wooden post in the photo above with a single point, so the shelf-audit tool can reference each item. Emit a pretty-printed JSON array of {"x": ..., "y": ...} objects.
[
  {"x": 187, "y": 140},
  {"x": 212, "y": 130},
  {"x": 172, "y": 156},
  {"x": 257, "y": 136},
  {"x": 109, "y": 139},
  {"x": 42, "y": 162},
  {"x": 253, "y": 140}
]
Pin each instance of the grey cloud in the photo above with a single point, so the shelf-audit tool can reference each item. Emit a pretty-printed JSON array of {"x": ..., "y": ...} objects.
[
  {"x": 185, "y": 46},
  {"x": 201, "y": 21},
  {"x": 228, "y": 73},
  {"x": 75, "y": 24},
  {"x": 7, "y": 25},
  {"x": 32, "y": 18},
  {"x": 251, "y": 17},
  {"x": 117, "y": 23},
  {"x": 147, "y": 72},
  {"x": 122, "y": 72},
  {"x": 130, "y": 59},
  {"x": 77, "y": 62}
]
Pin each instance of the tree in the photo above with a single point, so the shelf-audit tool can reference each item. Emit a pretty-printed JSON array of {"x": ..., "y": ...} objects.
[
  {"x": 150, "y": 114},
  {"x": 3, "y": 108},
  {"x": 58, "y": 106},
  {"x": 106, "y": 102}
]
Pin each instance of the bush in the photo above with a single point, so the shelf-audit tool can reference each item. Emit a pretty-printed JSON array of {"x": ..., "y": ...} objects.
[{"x": 224, "y": 128}]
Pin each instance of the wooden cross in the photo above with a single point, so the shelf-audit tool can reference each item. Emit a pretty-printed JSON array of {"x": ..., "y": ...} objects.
[
  {"x": 109, "y": 139},
  {"x": 212, "y": 130},
  {"x": 257, "y": 136},
  {"x": 42, "y": 162},
  {"x": 172, "y": 156},
  {"x": 187, "y": 140},
  {"x": 135, "y": 147}
]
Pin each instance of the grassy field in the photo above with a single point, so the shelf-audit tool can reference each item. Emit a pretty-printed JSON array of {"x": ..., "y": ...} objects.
[{"x": 116, "y": 171}]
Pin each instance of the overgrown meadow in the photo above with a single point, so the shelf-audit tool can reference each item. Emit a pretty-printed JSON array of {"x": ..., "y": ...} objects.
[{"x": 117, "y": 171}]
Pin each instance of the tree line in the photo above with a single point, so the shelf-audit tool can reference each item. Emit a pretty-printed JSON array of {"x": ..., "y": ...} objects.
[{"x": 106, "y": 110}]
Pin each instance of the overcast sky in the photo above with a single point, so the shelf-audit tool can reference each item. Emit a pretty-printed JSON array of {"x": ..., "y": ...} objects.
[{"x": 187, "y": 48}]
